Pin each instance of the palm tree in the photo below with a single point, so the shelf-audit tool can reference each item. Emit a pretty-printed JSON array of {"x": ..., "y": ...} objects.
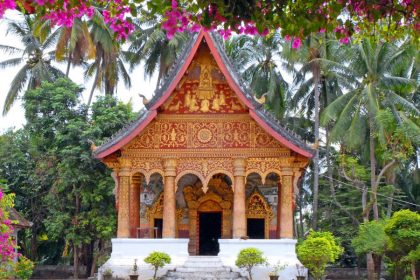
[
  {"x": 317, "y": 87},
  {"x": 37, "y": 67},
  {"x": 108, "y": 68},
  {"x": 257, "y": 59},
  {"x": 149, "y": 44},
  {"x": 74, "y": 44},
  {"x": 381, "y": 74}
]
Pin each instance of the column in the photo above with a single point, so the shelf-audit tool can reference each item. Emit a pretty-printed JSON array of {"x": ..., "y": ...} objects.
[
  {"x": 286, "y": 209},
  {"x": 278, "y": 208},
  {"x": 124, "y": 199},
  {"x": 239, "y": 214},
  {"x": 169, "y": 203},
  {"x": 135, "y": 205}
]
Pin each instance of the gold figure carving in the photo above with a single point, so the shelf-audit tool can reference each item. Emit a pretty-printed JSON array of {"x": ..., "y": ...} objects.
[
  {"x": 187, "y": 99},
  {"x": 175, "y": 107},
  {"x": 222, "y": 98},
  {"x": 205, "y": 104},
  {"x": 193, "y": 107},
  {"x": 205, "y": 87},
  {"x": 215, "y": 105}
]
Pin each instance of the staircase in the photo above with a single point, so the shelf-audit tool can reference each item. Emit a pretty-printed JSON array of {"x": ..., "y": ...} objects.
[{"x": 203, "y": 268}]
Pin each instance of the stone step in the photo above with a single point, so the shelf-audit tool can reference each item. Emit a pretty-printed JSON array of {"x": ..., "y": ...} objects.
[
  {"x": 202, "y": 274},
  {"x": 203, "y": 268},
  {"x": 206, "y": 278}
]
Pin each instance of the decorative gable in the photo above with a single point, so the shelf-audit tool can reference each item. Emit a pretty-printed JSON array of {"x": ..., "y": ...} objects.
[{"x": 203, "y": 89}]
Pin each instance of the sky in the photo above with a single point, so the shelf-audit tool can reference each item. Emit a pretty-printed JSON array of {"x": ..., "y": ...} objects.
[{"x": 15, "y": 119}]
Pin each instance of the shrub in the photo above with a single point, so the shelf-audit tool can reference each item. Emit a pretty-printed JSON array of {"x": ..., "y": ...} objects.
[
  {"x": 371, "y": 238},
  {"x": 403, "y": 230},
  {"x": 157, "y": 260},
  {"x": 248, "y": 258},
  {"x": 319, "y": 249},
  {"x": 24, "y": 268}
]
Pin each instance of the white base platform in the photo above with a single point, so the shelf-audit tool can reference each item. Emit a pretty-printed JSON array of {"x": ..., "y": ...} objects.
[
  {"x": 274, "y": 250},
  {"x": 125, "y": 250}
]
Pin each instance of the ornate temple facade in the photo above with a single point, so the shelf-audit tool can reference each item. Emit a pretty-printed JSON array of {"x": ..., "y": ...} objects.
[{"x": 204, "y": 162}]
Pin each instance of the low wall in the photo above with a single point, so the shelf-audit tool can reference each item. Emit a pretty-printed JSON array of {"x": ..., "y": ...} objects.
[
  {"x": 126, "y": 250},
  {"x": 275, "y": 250},
  {"x": 342, "y": 273},
  {"x": 55, "y": 271}
]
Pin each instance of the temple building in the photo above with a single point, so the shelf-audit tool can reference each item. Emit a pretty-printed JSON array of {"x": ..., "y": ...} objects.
[{"x": 204, "y": 169}]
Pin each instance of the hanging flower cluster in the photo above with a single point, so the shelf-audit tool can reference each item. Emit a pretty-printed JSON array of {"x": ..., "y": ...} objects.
[
  {"x": 298, "y": 19},
  {"x": 7, "y": 244},
  {"x": 119, "y": 23}
]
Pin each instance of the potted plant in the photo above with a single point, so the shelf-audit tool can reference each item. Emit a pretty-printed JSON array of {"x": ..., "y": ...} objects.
[
  {"x": 300, "y": 272},
  {"x": 275, "y": 270},
  {"x": 248, "y": 258},
  {"x": 134, "y": 273},
  {"x": 107, "y": 274},
  {"x": 157, "y": 260}
]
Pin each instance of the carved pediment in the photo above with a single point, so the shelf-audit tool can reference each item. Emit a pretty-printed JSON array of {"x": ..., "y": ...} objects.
[{"x": 257, "y": 206}]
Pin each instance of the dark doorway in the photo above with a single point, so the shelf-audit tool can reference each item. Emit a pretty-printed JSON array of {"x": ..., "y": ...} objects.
[
  {"x": 157, "y": 228},
  {"x": 255, "y": 228},
  {"x": 210, "y": 232}
]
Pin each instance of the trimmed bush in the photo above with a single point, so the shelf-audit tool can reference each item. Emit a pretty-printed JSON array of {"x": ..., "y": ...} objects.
[
  {"x": 248, "y": 258},
  {"x": 319, "y": 249},
  {"x": 157, "y": 260}
]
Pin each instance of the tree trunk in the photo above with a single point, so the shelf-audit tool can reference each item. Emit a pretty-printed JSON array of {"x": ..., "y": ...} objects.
[
  {"x": 92, "y": 90},
  {"x": 373, "y": 183},
  {"x": 413, "y": 270},
  {"x": 301, "y": 214},
  {"x": 316, "y": 157},
  {"x": 95, "y": 257},
  {"x": 370, "y": 266},
  {"x": 75, "y": 246},
  {"x": 75, "y": 261},
  {"x": 331, "y": 181},
  {"x": 69, "y": 64}
]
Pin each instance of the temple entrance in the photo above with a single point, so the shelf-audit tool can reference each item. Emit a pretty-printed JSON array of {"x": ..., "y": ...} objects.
[
  {"x": 255, "y": 228},
  {"x": 210, "y": 225}
]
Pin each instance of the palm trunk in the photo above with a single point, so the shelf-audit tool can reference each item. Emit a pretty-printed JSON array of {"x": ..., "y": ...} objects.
[
  {"x": 373, "y": 170},
  {"x": 69, "y": 64},
  {"x": 95, "y": 82},
  {"x": 301, "y": 214},
  {"x": 316, "y": 159},
  {"x": 75, "y": 246}
]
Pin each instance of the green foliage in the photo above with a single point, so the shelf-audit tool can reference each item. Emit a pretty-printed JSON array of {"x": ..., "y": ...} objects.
[
  {"x": 248, "y": 258},
  {"x": 403, "y": 230},
  {"x": 317, "y": 250},
  {"x": 157, "y": 260},
  {"x": 371, "y": 238},
  {"x": 24, "y": 268},
  {"x": 59, "y": 186}
]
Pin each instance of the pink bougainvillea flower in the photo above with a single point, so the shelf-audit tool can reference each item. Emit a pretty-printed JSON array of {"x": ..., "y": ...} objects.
[
  {"x": 297, "y": 42},
  {"x": 287, "y": 38},
  {"x": 345, "y": 40}
]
